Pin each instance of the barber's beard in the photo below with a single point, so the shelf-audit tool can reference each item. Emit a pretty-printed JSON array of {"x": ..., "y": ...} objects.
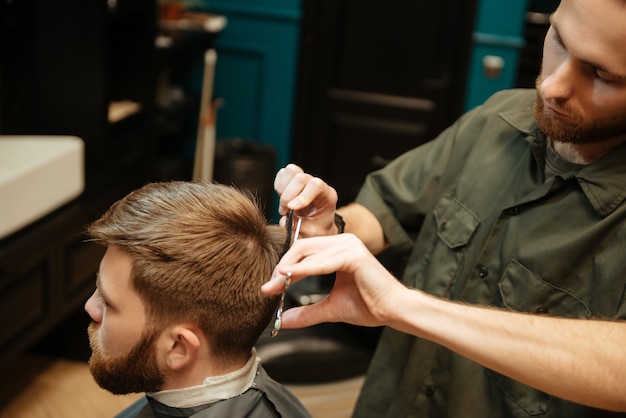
[
  {"x": 135, "y": 372},
  {"x": 576, "y": 131}
]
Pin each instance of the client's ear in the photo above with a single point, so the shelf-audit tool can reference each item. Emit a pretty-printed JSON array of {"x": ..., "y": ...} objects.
[{"x": 179, "y": 346}]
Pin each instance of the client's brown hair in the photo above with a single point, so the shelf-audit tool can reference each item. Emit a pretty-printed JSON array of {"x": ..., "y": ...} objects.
[{"x": 201, "y": 252}]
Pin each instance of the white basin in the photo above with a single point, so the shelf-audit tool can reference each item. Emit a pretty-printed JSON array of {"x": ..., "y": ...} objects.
[{"x": 38, "y": 174}]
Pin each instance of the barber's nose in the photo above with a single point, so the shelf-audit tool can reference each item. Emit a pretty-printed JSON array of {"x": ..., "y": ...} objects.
[
  {"x": 93, "y": 308},
  {"x": 560, "y": 83}
]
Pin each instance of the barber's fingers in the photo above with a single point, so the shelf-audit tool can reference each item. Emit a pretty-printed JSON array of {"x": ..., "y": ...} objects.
[
  {"x": 363, "y": 287},
  {"x": 302, "y": 269},
  {"x": 284, "y": 176},
  {"x": 315, "y": 256},
  {"x": 275, "y": 285},
  {"x": 296, "y": 257},
  {"x": 284, "y": 187},
  {"x": 302, "y": 190},
  {"x": 306, "y": 316},
  {"x": 315, "y": 199},
  {"x": 304, "y": 193}
]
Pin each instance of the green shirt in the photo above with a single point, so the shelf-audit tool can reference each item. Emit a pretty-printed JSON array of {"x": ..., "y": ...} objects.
[{"x": 479, "y": 223}]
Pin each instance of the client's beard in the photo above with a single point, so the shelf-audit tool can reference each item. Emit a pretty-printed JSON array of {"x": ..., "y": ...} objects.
[{"x": 135, "y": 372}]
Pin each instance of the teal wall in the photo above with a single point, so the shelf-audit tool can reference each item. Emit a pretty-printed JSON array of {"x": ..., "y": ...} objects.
[
  {"x": 257, "y": 63},
  {"x": 256, "y": 74},
  {"x": 499, "y": 31}
]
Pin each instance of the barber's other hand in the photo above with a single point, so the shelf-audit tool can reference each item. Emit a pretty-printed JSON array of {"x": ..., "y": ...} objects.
[
  {"x": 310, "y": 197},
  {"x": 363, "y": 293}
]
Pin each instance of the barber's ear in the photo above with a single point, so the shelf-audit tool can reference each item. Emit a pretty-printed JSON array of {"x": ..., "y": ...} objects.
[{"x": 179, "y": 346}]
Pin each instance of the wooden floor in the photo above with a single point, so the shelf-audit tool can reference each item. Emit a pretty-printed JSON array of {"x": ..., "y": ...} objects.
[{"x": 59, "y": 388}]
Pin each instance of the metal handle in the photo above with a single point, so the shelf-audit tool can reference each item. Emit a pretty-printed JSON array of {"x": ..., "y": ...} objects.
[{"x": 493, "y": 66}]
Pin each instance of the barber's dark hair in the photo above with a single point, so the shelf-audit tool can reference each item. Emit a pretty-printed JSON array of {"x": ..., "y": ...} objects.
[{"x": 201, "y": 252}]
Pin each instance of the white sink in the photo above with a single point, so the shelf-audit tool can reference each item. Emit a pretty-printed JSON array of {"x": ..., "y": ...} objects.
[{"x": 38, "y": 174}]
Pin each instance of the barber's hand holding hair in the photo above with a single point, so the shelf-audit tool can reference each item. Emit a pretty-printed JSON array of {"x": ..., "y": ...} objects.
[
  {"x": 364, "y": 292},
  {"x": 310, "y": 197}
]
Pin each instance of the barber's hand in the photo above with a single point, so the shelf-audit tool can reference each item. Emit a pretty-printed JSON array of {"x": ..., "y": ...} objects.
[
  {"x": 364, "y": 291},
  {"x": 310, "y": 197}
]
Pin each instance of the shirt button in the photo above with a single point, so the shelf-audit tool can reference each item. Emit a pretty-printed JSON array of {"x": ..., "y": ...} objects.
[
  {"x": 483, "y": 272},
  {"x": 541, "y": 310},
  {"x": 513, "y": 211},
  {"x": 430, "y": 391}
]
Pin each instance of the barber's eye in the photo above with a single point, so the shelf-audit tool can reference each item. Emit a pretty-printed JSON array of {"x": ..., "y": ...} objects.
[{"x": 606, "y": 78}]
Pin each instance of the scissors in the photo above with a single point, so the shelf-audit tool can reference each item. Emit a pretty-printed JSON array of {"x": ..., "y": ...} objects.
[{"x": 288, "y": 243}]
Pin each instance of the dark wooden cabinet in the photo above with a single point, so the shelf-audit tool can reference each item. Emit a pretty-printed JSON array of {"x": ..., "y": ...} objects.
[
  {"x": 377, "y": 79},
  {"x": 65, "y": 66},
  {"x": 47, "y": 272}
]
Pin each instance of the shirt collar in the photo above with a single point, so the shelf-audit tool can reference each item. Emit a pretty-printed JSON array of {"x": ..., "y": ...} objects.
[
  {"x": 213, "y": 389},
  {"x": 602, "y": 182}
]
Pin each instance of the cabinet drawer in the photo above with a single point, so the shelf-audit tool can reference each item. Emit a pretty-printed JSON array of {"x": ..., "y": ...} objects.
[{"x": 23, "y": 302}]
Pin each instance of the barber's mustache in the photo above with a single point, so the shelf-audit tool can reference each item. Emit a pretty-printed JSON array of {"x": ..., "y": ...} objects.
[{"x": 559, "y": 108}]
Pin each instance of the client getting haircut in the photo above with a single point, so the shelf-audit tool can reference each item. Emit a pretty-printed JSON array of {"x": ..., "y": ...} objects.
[{"x": 200, "y": 254}]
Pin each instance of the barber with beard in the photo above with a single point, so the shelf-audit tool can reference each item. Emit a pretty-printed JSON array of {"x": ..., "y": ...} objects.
[{"x": 513, "y": 226}]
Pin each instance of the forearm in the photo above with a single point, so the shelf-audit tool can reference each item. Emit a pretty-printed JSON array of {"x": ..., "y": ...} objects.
[
  {"x": 577, "y": 360},
  {"x": 362, "y": 223}
]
